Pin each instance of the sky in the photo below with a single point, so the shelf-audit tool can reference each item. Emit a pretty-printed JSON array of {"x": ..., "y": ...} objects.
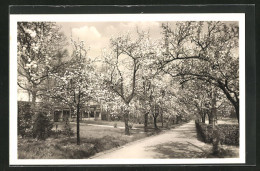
[{"x": 97, "y": 34}]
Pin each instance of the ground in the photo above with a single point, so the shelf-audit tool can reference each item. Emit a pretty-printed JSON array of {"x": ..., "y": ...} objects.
[
  {"x": 102, "y": 140},
  {"x": 96, "y": 136},
  {"x": 180, "y": 142}
]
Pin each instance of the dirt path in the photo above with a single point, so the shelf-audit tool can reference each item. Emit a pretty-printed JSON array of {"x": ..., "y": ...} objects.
[{"x": 180, "y": 142}]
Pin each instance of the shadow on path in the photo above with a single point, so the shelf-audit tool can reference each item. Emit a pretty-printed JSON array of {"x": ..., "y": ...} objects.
[
  {"x": 177, "y": 150},
  {"x": 179, "y": 143}
]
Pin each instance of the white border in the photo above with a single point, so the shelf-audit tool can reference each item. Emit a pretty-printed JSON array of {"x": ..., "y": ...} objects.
[{"x": 13, "y": 157}]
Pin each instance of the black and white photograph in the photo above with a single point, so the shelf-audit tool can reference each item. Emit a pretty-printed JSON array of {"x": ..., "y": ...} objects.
[{"x": 127, "y": 89}]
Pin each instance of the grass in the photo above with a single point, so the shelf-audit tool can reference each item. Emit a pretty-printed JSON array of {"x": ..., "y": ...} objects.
[
  {"x": 100, "y": 122},
  {"x": 232, "y": 121},
  {"x": 225, "y": 151},
  {"x": 94, "y": 139}
]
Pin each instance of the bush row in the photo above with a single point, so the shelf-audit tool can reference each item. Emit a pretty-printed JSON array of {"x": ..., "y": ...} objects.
[
  {"x": 228, "y": 134},
  {"x": 33, "y": 122}
]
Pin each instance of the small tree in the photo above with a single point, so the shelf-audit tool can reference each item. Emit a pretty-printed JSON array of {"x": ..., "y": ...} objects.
[
  {"x": 42, "y": 126},
  {"x": 75, "y": 84}
]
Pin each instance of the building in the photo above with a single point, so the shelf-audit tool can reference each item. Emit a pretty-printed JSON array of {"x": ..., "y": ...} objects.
[
  {"x": 60, "y": 112},
  {"x": 91, "y": 111}
]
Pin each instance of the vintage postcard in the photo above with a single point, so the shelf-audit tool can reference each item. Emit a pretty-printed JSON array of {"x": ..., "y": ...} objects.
[{"x": 127, "y": 89}]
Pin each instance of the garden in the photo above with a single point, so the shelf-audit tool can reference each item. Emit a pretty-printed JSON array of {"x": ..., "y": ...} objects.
[
  {"x": 94, "y": 139},
  {"x": 144, "y": 83}
]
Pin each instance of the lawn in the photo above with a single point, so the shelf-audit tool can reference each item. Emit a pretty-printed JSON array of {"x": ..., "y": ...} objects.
[
  {"x": 231, "y": 121},
  {"x": 100, "y": 122},
  {"x": 94, "y": 139}
]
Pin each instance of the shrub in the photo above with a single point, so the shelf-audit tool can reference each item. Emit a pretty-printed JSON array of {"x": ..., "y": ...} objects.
[
  {"x": 42, "y": 126},
  {"x": 167, "y": 125},
  {"x": 228, "y": 134},
  {"x": 130, "y": 125},
  {"x": 24, "y": 119},
  {"x": 67, "y": 129}
]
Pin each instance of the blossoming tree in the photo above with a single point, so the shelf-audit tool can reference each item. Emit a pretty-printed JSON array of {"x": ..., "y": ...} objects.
[
  {"x": 206, "y": 51},
  {"x": 40, "y": 48}
]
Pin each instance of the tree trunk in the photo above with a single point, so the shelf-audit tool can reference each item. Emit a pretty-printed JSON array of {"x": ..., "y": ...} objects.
[
  {"x": 145, "y": 121},
  {"x": 126, "y": 118},
  {"x": 154, "y": 122},
  {"x": 177, "y": 119},
  {"x": 33, "y": 105},
  {"x": 213, "y": 109},
  {"x": 108, "y": 116},
  {"x": 237, "y": 111},
  {"x": 210, "y": 116},
  {"x": 33, "y": 99},
  {"x": 162, "y": 118},
  {"x": 78, "y": 135},
  {"x": 203, "y": 118},
  {"x": 234, "y": 102}
]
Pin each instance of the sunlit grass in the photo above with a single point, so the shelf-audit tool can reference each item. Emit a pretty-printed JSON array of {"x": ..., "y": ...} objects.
[{"x": 94, "y": 139}]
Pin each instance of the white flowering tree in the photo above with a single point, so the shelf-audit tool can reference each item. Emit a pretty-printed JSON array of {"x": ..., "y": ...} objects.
[
  {"x": 206, "y": 51},
  {"x": 145, "y": 88},
  {"x": 153, "y": 89},
  {"x": 143, "y": 95},
  {"x": 123, "y": 67},
  {"x": 196, "y": 97},
  {"x": 40, "y": 48},
  {"x": 75, "y": 84},
  {"x": 160, "y": 97}
]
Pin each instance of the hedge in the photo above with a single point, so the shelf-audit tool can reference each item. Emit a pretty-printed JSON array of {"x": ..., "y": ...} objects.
[
  {"x": 24, "y": 119},
  {"x": 228, "y": 134}
]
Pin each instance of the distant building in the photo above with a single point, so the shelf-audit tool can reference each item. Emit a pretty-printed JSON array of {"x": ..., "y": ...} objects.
[
  {"x": 91, "y": 111},
  {"x": 61, "y": 112}
]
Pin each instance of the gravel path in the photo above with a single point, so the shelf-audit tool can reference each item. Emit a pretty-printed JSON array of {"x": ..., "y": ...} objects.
[{"x": 180, "y": 142}]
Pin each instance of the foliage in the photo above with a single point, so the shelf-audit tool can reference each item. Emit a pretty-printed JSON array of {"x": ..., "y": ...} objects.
[
  {"x": 176, "y": 74},
  {"x": 67, "y": 129},
  {"x": 123, "y": 65},
  {"x": 206, "y": 51},
  {"x": 228, "y": 134},
  {"x": 24, "y": 119},
  {"x": 74, "y": 80},
  {"x": 40, "y": 49},
  {"x": 75, "y": 84},
  {"x": 42, "y": 126},
  {"x": 196, "y": 98}
]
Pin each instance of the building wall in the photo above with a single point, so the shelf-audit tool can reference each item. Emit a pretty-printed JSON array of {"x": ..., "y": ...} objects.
[
  {"x": 23, "y": 95},
  {"x": 91, "y": 112}
]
